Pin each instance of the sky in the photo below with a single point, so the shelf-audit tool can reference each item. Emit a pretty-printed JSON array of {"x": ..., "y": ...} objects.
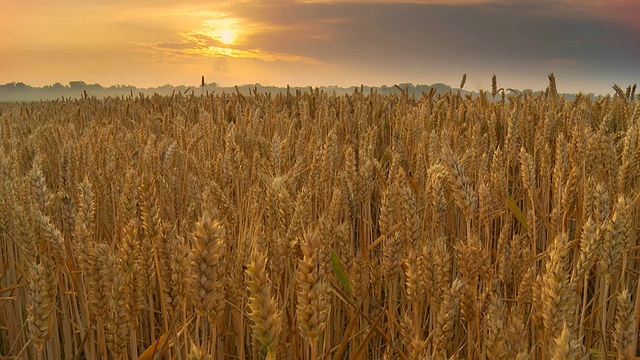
[{"x": 588, "y": 44}]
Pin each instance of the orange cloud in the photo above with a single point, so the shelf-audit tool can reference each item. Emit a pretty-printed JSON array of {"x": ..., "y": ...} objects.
[
  {"x": 216, "y": 51},
  {"x": 199, "y": 43}
]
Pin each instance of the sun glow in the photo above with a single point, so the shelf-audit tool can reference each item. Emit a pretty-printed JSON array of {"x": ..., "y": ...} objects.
[
  {"x": 226, "y": 36},
  {"x": 225, "y": 30}
]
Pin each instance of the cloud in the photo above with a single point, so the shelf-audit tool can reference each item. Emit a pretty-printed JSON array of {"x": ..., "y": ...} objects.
[
  {"x": 204, "y": 32},
  {"x": 198, "y": 43},
  {"x": 384, "y": 32},
  {"x": 423, "y": 2},
  {"x": 428, "y": 41},
  {"x": 326, "y": 42}
]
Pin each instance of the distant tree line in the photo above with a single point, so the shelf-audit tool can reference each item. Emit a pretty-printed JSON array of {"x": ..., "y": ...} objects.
[{"x": 18, "y": 91}]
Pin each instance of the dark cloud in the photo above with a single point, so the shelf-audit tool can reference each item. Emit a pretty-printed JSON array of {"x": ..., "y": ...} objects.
[
  {"x": 510, "y": 37},
  {"x": 386, "y": 33}
]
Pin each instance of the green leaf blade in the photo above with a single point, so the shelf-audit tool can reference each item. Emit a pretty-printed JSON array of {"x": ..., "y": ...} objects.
[{"x": 340, "y": 273}]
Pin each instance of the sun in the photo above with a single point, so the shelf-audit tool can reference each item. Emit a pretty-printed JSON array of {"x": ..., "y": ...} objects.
[
  {"x": 226, "y": 36},
  {"x": 225, "y": 30}
]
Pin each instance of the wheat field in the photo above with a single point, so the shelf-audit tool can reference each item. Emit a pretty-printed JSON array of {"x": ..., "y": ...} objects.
[{"x": 310, "y": 226}]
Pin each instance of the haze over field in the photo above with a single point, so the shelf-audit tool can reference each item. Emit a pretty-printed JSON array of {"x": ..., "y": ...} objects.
[{"x": 589, "y": 44}]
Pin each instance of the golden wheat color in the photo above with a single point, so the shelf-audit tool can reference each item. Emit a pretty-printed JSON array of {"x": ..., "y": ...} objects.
[{"x": 314, "y": 226}]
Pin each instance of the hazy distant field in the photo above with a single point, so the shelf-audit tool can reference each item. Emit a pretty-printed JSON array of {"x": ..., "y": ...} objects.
[{"x": 310, "y": 226}]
